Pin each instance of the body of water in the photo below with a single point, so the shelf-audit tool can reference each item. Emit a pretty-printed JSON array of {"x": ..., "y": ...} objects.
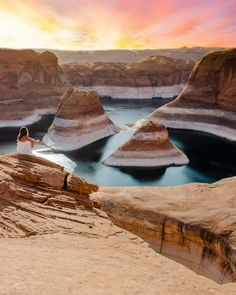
[{"x": 211, "y": 158}]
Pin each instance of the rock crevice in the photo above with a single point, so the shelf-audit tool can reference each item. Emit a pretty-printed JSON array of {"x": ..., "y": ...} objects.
[{"x": 193, "y": 224}]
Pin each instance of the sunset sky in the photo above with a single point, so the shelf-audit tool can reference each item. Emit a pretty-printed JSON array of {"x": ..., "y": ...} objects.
[{"x": 117, "y": 24}]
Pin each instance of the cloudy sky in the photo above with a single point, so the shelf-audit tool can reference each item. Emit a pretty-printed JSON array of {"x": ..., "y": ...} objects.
[{"x": 111, "y": 24}]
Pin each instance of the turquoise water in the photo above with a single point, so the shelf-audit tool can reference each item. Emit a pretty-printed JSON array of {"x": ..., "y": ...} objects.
[{"x": 211, "y": 158}]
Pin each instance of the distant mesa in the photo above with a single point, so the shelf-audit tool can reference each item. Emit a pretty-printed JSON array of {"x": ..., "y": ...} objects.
[
  {"x": 149, "y": 147},
  {"x": 208, "y": 102},
  {"x": 129, "y": 55},
  {"x": 30, "y": 85},
  {"x": 152, "y": 77},
  {"x": 80, "y": 120}
]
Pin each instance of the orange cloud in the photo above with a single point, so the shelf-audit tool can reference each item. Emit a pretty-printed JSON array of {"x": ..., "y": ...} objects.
[{"x": 111, "y": 24}]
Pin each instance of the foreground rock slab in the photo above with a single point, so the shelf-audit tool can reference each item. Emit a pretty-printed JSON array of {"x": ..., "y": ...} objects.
[
  {"x": 149, "y": 147},
  {"x": 37, "y": 195},
  {"x": 53, "y": 241},
  {"x": 80, "y": 120},
  {"x": 208, "y": 102},
  {"x": 194, "y": 224}
]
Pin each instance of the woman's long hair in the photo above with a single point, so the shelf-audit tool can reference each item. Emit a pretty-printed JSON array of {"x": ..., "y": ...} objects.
[{"x": 23, "y": 132}]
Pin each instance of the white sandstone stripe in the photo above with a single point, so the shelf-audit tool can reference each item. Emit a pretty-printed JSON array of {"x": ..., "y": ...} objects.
[
  {"x": 126, "y": 92},
  {"x": 60, "y": 122},
  {"x": 219, "y": 130},
  {"x": 34, "y": 117},
  {"x": 145, "y": 162},
  {"x": 69, "y": 143},
  {"x": 193, "y": 111}
]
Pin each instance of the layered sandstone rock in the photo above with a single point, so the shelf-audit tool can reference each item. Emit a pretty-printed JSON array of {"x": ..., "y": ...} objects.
[
  {"x": 148, "y": 147},
  {"x": 30, "y": 85},
  {"x": 80, "y": 120},
  {"x": 194, "y": 224},
  {"x": 208, "y": 102},
  {"x": 155, "y": 76},
  {"x": 50, "y": 244}
]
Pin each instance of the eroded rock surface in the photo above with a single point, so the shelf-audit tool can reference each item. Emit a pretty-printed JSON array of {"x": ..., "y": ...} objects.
[
  {"x": 36, "y": 195},
  {"x": 80, "y": 120},
  {"x": 208, "y": 102},
  {"x": 30, "y": 85},
  {"x": 155, "y": 76},
  {"x": 148, "y": 147},
  {"x": 194, "y": 224},
  {"x": 54, "y": 242}
]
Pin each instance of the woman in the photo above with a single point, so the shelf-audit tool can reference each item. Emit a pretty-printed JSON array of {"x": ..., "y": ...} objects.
[{"x": 25, "y": 143}]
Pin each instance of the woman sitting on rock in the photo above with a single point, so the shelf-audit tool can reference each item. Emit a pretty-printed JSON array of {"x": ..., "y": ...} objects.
[{"x": 25, "y": 143}]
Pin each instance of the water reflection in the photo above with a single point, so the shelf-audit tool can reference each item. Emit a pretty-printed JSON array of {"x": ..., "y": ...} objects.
[
  {"x": 143, "y": 175},
  {"x": 211, "y": 158}
]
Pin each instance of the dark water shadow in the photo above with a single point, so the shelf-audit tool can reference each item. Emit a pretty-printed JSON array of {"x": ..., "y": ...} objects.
[
  {"x": 144, "y": 174},
  {"x": 37, "y": 129},
  {"x": 208, "y": 154},
  {"x": 91, "y": 152}
]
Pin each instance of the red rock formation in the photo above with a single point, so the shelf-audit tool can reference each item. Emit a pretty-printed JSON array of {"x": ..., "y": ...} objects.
[
  {"x": 53, "y": 238},
  {"x": 148, "y": 147},
  {"x": 208, "y": 102},
  {"x": 47, "y": 237},
  {"x": 30, "y": 83},
  {"x": 155, "y": 76},
  {"x": 80, "y": 120},
  {"x": 194, "y": 224}
]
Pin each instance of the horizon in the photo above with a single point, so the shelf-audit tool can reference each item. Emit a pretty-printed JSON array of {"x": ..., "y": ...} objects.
[
  {"x": 75, "y": 25},
  {"x": 118, "y": 49}
]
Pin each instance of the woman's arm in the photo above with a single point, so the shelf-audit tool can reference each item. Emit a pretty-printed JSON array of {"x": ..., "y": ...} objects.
[{"x": 33, "y": 141}]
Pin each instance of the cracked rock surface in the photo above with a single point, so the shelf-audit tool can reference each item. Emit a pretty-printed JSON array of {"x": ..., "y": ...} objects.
[
  {"x": 53, "y": 241},
  {"x": 194, "y": 224}
]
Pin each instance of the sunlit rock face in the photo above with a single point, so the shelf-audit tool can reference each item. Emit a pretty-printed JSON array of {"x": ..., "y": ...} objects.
[
  {"x": 155, "y": 76},
  {"x": 148, "y": 147},
  {"x": 80, "y": 120},
  {"x": 30, "y": 85},
  {"x": 194, "y": 224},
  {"x": 51, "y": 231},
  {"x": 208, "y": 102}
]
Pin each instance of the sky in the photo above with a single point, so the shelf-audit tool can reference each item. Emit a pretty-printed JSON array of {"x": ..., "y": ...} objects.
[{"x": 117, "y": 24}]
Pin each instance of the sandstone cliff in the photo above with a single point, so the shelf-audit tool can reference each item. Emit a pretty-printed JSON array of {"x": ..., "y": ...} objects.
[
  {"x": 148, "y": 147},
  {"x": 155, "y": 76},
  {"x": 193, "y": 224},
  {"x": 208, "y": 102},
  {"x": 51, "y": 244},
  {"x": 30, "y": 84},
  {"x": 80, "y": 120}
]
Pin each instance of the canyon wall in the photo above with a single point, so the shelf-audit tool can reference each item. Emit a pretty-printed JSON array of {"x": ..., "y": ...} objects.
[
  {"x": 152, "y": 77},
  {"x": 208, "y": 102},
  {"x": 30, "y": 85}
]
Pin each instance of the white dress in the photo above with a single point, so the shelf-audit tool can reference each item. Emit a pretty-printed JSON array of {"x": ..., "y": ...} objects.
[{"x": 24, "y": 148}]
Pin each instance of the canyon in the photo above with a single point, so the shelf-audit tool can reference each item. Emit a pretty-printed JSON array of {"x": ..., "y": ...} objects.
[
  {"x": 79, "y": 120},
  {"x": 208, "y": 102},
  {"x": 152, "y": 77}
]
